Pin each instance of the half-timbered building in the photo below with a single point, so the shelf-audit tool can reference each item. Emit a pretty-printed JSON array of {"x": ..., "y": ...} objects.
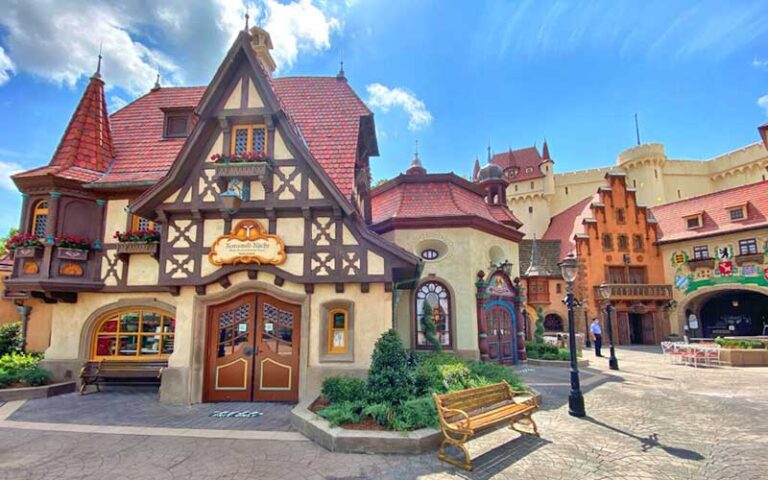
[{"x": 227, "y": 230}]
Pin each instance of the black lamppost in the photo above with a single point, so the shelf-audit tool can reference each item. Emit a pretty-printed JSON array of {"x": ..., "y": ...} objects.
[
  {"x": 587, "y": 341},
  {"x": 605, "y": 292},
  {"x": 570, "y": 269}
]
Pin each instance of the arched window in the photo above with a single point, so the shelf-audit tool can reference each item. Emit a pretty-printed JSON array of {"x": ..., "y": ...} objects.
[
  {"x": 338, "y": 330},
  {"x": 439, "y": 299},
  {"x": 553, "y": 323},
  {"x": 40, "y": 219},
  {"x": 135, "y": 334}
]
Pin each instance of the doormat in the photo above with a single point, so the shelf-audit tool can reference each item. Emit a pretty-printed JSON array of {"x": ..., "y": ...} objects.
[{"x": 236, "y": 414}]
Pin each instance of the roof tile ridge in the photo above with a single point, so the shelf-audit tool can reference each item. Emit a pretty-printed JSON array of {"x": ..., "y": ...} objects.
[{"x": 710, "y": 194}]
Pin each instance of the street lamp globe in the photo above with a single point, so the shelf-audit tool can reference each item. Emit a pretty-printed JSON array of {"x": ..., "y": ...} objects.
[
  {"x": 605, "y": 291},
  {"x": 569, "y": 268}
]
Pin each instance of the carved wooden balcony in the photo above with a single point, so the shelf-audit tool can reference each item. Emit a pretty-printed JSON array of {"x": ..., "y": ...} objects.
[
  {"x": 55, "y": 271},
  {"x": 638, "y": 291},
  {"x": 750, "y": 258},
  {"x": 709, "y": 263}
]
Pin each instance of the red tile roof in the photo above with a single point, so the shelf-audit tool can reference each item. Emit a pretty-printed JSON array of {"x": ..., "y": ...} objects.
[
  {"x": 526, "y": 159},
  {"x": 326, "y": 110},
  {"x": 567, "y": 223},
  {"x": 716, "y": 216},
  {"x": 436, "y": 196}
]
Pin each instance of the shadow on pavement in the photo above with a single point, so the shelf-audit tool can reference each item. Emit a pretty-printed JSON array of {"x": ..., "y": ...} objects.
[
  {"x": 555, "y": 396},
  {"x": 651, "y": 441},
  {"x": 497, "y": 460}
]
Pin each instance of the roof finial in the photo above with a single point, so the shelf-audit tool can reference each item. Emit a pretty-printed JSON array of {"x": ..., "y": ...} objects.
[
  {"x": 341, "y": 75},
  {"x": 489, "y": 150},
  {"x": 416, "y": 168},
  {"x": 98, "y": 65},
  {"x": 157, "y": 83},
  {"x": 247, "y": 17},
  {"x": 416, "y": 149},
  {"x": 637, "y": 129}
]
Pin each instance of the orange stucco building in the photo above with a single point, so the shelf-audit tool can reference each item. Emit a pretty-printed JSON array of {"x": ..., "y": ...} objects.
[{"x": 614, "y": 239}]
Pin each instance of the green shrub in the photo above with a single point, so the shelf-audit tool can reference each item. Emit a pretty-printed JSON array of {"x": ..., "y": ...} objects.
[
  {"x": 550, "y": 356},
  {"x": 390, "y": 379},
  {"x": 34, "y": 376},
  {"x": 10, "y": 338},
  {"x": 340, "y": 413},
  {"x": 339, "y": 389},
  {"x": 380, "y": 412},
  {"x": 538, "y": 333},
  {"x": 491, "y": 372},
  {"x": 415, "y": 413},
  {"x": 564, "y": 355}
]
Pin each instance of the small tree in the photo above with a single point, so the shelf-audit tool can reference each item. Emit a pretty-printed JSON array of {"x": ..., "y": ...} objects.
[
  {"x": 11, "y": 340},
  {"x": 390, "y": 379},
  {"x": 430, "y": 329},
  {"x": 4, "y": 240},
  {"x": 538, "y": 333}
]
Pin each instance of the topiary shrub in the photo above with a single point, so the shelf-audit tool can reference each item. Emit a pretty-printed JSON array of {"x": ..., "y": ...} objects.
[
  {"x": 390, "y": 379},
  {"x": 339, "y": 389},
  {"x": 430, "y": 329},
  {"x": 11, "y": 340}
]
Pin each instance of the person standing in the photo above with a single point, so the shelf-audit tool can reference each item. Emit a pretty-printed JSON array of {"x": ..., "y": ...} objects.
[{"x": 597, "y": 336}]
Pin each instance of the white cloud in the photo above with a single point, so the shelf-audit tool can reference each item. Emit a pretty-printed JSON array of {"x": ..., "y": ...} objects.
[
  {"x": 6, "y": 170},
  {"x": 116, "y": 103},
  {"x": 762, "y": 102},
  {"x": 298, "y": 27},
  {"x": 6, "y": 67},
  {"x": 59, "y": 39},
  {"x": 385, "y": 98},
  {"x": 760, "y": 62}
]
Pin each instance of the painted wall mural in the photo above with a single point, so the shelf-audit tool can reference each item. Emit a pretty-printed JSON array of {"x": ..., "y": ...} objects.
[{"x": 692, "y": 274}]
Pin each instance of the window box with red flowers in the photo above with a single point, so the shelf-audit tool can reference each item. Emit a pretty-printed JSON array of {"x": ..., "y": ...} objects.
[
  {"x": 250, "y": 165},
  {"x": 24, "y": 246},
  {"x": 137, "y": 242},
  {"x": 70, "y": 247}
]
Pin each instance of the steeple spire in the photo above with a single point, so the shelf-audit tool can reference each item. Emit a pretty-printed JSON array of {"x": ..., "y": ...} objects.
[
  {"x": 545, "y": 151},
  {"x": 341, "y": 75},
  {"x": 534, "y": 269},
  {"x": 476, "y": 169},
  {"x": 97, "y": 74},
  {"x": 247, "y": 17},
  {"x": 157, "y": 83},
  {"x": 416, "y": 168}
]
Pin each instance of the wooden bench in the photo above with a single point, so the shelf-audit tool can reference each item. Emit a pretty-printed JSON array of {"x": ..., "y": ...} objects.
[
  {"x": 124, "y": 372},
  {"x": 467, "y": 413}
]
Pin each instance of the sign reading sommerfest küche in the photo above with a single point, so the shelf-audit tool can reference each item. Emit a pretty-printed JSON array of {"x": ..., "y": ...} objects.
[{"x": 247, "y": 243}]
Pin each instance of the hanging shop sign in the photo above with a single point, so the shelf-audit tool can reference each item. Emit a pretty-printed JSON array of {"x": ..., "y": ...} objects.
[{"x": 247, "y": 243}]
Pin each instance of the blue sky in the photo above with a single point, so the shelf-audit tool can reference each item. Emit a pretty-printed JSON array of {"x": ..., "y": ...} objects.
[{"x": 452, "y": 75}]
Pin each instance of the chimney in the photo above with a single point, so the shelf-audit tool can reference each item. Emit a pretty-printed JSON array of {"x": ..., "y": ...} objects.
[{"x": 262, "y": 44}]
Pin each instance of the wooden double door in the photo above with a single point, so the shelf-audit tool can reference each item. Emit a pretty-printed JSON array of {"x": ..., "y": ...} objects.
[
  {"x": 501, "y": 335},
  {"x": 252, "y": 350}
]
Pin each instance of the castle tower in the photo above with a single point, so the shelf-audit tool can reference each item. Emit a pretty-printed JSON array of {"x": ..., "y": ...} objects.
[
  {"x": 644, "y": 166},
  {"x": 547, "y": 167},
  {"x": 262, "y": 44}
]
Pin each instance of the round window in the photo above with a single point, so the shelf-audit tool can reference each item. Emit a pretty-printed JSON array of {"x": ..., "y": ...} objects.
[{"x": 430, "y": 254}]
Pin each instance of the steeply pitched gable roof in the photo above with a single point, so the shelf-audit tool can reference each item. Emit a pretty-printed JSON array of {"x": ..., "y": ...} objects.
[
  {"x": 86, "y": 149},
  {"x": 548, "y": 257},
  {"x": 567, "y": 223},
  {"x": 715, "y": 213}
]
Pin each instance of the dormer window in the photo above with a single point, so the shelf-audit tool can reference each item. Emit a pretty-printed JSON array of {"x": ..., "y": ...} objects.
[
  {"x": 694, "y": 221},
  {"x": 249, "y": 139},
  {"x": 178, "y": 122},
  {"x": 737, "y": 213}
]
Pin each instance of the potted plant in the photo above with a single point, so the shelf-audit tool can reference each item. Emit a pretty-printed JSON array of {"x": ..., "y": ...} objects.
[
  {"x": 70, "y": 247},
  {"x": 24, "y": 245},
  {"x": 137, "y": 242},
  {"x": 251, "y": 165}
]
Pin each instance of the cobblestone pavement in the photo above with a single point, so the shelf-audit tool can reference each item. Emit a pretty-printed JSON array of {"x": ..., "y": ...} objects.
[
  {"x": 141, "y": 407},
  {"x": 651, "y": 420}
]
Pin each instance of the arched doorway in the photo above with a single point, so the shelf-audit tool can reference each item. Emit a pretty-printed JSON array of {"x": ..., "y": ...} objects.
[
  {"x": 553, "y": 323},
  {"x": 734, "y": 313}
]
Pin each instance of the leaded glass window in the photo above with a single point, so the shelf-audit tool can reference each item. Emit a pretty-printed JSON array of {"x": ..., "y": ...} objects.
[
  {"x": 134, "y": 333},
  {"x": 40, "y": 219}
]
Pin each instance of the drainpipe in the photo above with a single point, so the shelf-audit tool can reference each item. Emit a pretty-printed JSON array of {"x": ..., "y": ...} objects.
[
  {"x": 396, "y": 291},
  {"x": 24, "y": 313}
]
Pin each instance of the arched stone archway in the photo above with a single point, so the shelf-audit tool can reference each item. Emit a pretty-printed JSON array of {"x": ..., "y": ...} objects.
[{"x": 726, "y": 310}]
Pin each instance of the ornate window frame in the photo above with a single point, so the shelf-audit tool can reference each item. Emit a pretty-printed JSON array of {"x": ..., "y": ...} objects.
[
  {"x": 249, "y": 128},
  {"x": 115, "y": 315},
  {"x": 327, "y": 309},
  {"x": 333, "y": 330},
  {"x": 40, "y": 213}
]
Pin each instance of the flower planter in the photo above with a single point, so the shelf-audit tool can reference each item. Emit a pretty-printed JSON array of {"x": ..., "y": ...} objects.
[
  {"x": 136, "y": 248},
  {"x": 27, "y": 252},
  {"x": 756, "y": 357},
  {"x": 752, "y": 258},
  {"x": 701, "y": 263},
  {"x": 250, "y": 170},
  {"x": 72, "y": 254}
]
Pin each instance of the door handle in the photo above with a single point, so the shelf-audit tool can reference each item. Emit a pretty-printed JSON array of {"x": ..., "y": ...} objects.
[{"x": 248, "y": 351}]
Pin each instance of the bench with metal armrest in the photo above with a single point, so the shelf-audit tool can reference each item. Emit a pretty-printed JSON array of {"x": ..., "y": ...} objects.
[{"x": 468, "y": 413}]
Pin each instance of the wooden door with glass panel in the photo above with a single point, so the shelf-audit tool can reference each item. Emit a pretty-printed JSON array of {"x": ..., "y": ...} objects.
[{"x": 252, "y": 350}]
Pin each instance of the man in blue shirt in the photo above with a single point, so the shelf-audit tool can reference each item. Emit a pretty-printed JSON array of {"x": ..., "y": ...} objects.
[{"x": 597, "y": 335}]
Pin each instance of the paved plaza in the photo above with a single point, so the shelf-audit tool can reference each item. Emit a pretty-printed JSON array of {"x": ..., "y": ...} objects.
[{"x": 651, "y": 420}]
